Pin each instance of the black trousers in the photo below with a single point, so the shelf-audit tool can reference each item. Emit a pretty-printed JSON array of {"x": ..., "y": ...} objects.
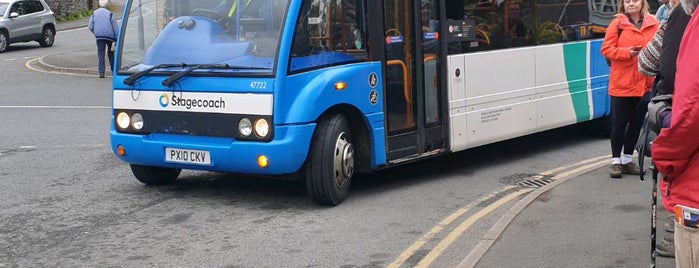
[{"x": 627, "y": 118}]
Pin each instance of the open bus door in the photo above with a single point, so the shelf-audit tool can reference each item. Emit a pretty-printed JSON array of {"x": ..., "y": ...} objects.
[{"x": 413, "y": 78}]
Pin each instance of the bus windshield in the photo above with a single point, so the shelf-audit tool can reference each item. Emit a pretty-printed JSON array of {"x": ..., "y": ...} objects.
[{"x": 241, "y": 33}]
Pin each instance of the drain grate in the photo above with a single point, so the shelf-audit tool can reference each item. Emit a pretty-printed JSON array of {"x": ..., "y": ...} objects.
[{"x": 535, "y": 183}]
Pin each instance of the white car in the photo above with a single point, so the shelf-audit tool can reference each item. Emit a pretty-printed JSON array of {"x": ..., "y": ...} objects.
[{"x": 25, "y": 21}]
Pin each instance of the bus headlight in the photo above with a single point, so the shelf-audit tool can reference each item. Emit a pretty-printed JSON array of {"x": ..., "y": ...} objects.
[
  {"x": 137, "y": 121},
  {"x": 123, "y": 120},
  {"x": 261, "y": 128},
  {"x": 245, "y": 127}
]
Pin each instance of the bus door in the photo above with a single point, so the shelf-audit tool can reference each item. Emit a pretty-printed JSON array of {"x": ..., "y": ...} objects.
[{"x": 413, "y": 58}]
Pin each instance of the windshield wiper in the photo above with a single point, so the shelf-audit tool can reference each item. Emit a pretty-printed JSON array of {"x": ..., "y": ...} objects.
[
  {"x": 173, "y": 78},
  {"x": 129, "y": 81}
]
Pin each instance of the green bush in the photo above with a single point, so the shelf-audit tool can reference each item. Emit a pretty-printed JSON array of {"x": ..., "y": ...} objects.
[{"x": 74, "y": 16}]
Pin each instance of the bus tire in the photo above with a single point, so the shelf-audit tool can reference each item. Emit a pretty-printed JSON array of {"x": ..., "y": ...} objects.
[
  {"x": 330, "y": 164},
  {"x": 155, "y": 175}
]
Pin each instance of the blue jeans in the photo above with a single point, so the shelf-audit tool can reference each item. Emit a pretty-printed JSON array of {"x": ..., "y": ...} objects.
[{"x": 103, "y": 44}]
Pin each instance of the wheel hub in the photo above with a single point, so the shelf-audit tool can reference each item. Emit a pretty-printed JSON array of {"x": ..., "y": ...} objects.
[{"x": 344, "y": 159}]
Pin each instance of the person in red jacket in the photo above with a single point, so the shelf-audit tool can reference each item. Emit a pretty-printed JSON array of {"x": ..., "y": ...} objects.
[
  {"x": 675, "y": 151},
  {"x": 632, "y": 28}
]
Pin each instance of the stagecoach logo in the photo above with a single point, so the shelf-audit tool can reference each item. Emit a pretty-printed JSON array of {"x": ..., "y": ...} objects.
[
  {"x": 191, "y": 103},
  {"x": 164, "y": 100},
  {"x": 373, "y": 97},
  {"x": 373, "y": 80}
]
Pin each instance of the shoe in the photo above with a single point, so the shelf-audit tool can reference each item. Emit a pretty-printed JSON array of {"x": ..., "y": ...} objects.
[
  {"x": 665, "y": 249},
  {"x": 670, "y": 238},
  {"x": 615, "y": 171},
  {"x": 669, "y": 224},
  {"x": 630, "y": 168},
  {"x": 101, "y": 75}
]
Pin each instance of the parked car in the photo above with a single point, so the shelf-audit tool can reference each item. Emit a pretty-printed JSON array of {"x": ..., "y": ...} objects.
[{"x": 25, "y": 21}]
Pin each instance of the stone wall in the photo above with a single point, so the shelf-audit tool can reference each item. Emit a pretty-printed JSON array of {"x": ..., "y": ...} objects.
[{"x": 64, "y": 7}]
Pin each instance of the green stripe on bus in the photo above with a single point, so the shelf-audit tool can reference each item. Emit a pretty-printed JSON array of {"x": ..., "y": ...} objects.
[{"x": 575, "y": 58}]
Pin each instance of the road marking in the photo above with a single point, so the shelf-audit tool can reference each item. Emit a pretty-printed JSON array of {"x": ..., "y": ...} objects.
[
  {"x": 435, "y": 230},
  {"x": 52, "y": 107},
  {"x": 434, "y": 253},
  {"x": 496, "y": 230},
  {"x": 29, "y": 66},
  {"x": 579, "y": 168}
]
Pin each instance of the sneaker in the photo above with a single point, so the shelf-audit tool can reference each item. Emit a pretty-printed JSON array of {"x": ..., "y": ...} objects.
[
  {"x": 615, "y": 171},
  {"x": 665, "y": 249},
  {"x": 630, "y": 168},
  {"x": 101, "y": 75}
]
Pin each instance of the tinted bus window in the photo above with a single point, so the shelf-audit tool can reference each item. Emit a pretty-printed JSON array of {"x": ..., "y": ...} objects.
[{"x": 329, "y": 32}]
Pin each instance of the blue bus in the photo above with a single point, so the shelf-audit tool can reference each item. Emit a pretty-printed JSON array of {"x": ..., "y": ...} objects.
[{"x": 324, "y": 89}]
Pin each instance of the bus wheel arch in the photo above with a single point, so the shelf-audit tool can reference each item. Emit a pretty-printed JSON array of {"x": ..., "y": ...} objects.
[
  {"x": 339, "y": 147},
  {"x": 155, "y": 175}
]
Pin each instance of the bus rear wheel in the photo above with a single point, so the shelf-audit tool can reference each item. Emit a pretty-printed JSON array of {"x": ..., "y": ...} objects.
[
  {"x": 155, "y": 175},
  {"x": 330, "y": 165}
]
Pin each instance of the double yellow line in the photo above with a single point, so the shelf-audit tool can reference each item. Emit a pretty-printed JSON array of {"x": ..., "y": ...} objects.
[{"x": 475, "y": 255}]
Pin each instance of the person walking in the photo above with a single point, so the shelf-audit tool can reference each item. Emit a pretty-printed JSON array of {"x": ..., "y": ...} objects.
[
  {"x": 675, "y": 149},
  {"x": 104, "y": 26},
  {"x": 630, "y": 30}
]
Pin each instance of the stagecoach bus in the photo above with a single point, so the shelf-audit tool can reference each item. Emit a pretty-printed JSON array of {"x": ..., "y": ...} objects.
[{"x": 324, "y": 89}]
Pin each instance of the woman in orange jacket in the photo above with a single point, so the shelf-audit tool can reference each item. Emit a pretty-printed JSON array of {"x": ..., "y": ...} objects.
[{"x": 632, "y": 28}]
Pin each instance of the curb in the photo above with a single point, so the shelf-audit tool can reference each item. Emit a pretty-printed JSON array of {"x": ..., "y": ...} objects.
[{"x": 41, "y": 64}]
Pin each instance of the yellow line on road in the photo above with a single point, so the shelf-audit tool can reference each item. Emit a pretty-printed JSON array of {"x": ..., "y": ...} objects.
[
  {"x": 464, "y": 225},
  {"x": 400, "y": 260},
  {"x": 435, "y": 230},
  {"x": 496, "y": 230}
]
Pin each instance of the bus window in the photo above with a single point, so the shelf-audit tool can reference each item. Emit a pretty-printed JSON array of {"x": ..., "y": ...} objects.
[
  {"x": 329, "y": 32},
  {"x": 245, "y": 36}
]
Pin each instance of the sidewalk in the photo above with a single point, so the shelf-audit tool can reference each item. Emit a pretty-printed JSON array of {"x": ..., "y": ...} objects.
[{"x": 586, "y": 221}]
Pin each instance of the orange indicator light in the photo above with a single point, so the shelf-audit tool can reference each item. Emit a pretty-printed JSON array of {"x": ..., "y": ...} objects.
[
  {"x": 262, "y": 161},
  {"x": 120, "y": 150},
  {"x": 340, "y": 86}
]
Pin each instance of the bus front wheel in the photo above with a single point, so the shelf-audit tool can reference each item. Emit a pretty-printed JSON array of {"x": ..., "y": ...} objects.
[
  {"x": 330, "y": 164},
  {"x": 155, "y": 175}
]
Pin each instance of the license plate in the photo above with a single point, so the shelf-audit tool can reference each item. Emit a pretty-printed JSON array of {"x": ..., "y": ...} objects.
[{"x": 187, "y": 156}]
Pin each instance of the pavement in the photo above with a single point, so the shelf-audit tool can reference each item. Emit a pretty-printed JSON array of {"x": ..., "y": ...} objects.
[{"x": 587, "y": 221}]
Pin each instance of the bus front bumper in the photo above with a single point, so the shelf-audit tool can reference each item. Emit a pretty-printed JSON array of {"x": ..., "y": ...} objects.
[{"x": 285, "y": 154}]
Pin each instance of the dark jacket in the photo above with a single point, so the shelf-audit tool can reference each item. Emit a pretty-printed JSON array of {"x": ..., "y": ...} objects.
[{"x": 665, "y": 80}]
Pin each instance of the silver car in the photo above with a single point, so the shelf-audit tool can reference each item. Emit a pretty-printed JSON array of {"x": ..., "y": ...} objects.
[{"x": 24, "y": 21}]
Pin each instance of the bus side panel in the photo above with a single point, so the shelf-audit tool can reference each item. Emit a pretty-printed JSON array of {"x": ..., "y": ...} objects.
[
  {"x": 499, "y": 94},
  {"x": 305, "y": 96},
  {"x": 562, "y": 86},
  {"x": 599, "y": 80},
  {"x": 458, "y": 126},
  {"x": 509, "y": 93}
]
